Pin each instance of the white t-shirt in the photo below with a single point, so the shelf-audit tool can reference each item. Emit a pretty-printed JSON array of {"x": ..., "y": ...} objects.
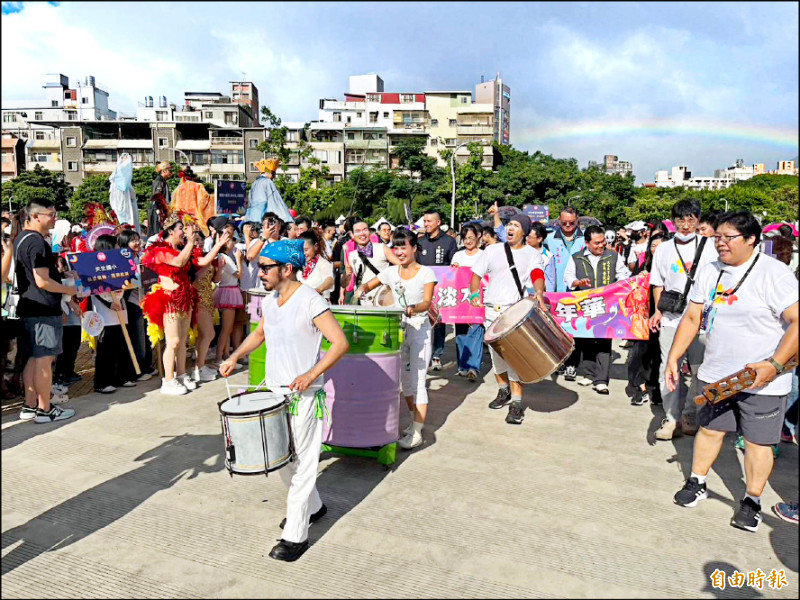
[
  {"x": 668, "y": 273},
  {"x": 462, "y": 259},
  {"x": 378, "y": 260},
  {"x": 292, "y": 339},
  {"x": 747, "y": 326},
  {"x": 228, "y": 277},
  {"x": 502, "y": 290},
  {"x": 322, "y": 270},
  {"x": 638, "y": 249},
  {"x": 208, "y": 244},
  {"x": 407, "y": 292},
  {"x": 249, "y": 277}
]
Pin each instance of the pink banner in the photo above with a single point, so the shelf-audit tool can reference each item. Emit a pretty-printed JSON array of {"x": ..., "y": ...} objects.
[
  {"x": 452, "y": 295},
  {"x": 618, "y": 311}
]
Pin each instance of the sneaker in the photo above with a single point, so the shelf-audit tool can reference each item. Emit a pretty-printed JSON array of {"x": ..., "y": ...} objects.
[
  {"x": 461, "y": 373},
  {"x": 561, "y": 368},
  {"x": 436, "y": 364},
  {"x": 204, "y": 373},
  {"x": 601, "y": 388},
  {"x": 688, "y": 426},
  {"x": 668, "y": 430},
  {"x": 313, "y": 519},
  {"x": 748, "y": 516},
  {"x": 109, "y": 389},
  {"x": 640, "y": 398},
  {"x": 27, "y": 413},
  {"x": 739, "y": 443},
  {"x": 129, "y": 384},
  {"x": 144, "y": 377},
  {"x": 584, "y": 381},
  {"x": 786, "y": 511},
  {"x": 692, "y": 492},
  {"x": 173, "y": 387},
  {"x": 412, "y": 440},
  {"x": 56, "y": 413},
  {"x": 59, "y": 389},
  {"x": 570, "y": 373},
  {"x": 472, "y": 375},
  {"x": 58, "y": 399},
  {"x": 409, "y": 429},
  {"x": 187, "y": 382},
  {"x": 503, "y": 397},
  {"x": 516, "y": 413}
]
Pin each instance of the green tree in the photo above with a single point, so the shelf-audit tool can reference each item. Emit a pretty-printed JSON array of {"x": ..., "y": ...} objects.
[
  {"x": 37, "y": 184},
  {"x": 94, "y": 188}
]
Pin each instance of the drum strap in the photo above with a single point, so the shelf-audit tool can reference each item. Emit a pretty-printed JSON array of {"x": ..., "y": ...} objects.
[
  {"x": 513, "y": 269},
  {"x": 321, "y": 407}
]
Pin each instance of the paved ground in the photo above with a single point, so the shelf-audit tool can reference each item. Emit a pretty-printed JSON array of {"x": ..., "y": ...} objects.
[{"x": 131, "y": 499}]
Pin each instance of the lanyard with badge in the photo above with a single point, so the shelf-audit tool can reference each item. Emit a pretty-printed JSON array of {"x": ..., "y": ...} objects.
[{"x": 709, "y": 308}]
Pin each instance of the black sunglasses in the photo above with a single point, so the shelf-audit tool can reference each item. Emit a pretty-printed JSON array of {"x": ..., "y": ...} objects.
[{"x": 265, "y": 268}]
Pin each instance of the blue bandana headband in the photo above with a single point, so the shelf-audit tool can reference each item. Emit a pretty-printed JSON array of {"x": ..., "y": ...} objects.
[{"x": 287, "y": 252}]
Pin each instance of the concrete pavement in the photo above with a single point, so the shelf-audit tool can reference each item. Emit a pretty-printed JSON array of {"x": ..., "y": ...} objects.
[{"x": 131, "y": 499}]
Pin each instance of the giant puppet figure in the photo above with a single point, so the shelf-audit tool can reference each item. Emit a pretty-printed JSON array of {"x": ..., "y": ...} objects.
[
  {"x": 264, "y": 196},
  {"x": 158, "y": 207}
]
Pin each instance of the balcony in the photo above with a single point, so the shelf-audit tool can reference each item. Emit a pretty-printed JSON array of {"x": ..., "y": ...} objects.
[
  {"x": 98, "y": 166},
  {"x": 226, "y": 168},
  {"x": 366, "y": 144},
  {"x": 475, "y": 130},
  {"x": 227, "y": 141},
  {"x": 338, "y": 105}
]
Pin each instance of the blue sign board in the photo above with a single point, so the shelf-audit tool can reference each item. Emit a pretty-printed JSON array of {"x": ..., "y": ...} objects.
[
  {"x": 104, "y": 271},
  {"x": 231, "y": 196},
  {"x": 537, "y": 212}
]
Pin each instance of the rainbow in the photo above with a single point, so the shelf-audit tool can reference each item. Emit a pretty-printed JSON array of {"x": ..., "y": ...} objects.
[{"x": 782, "y": 137}]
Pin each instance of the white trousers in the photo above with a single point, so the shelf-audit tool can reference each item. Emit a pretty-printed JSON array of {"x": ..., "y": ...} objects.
[
  {"x": 499, "y": 364},
  {"x": 300, "y": 475},
  {"x": 416, "y": 353}
]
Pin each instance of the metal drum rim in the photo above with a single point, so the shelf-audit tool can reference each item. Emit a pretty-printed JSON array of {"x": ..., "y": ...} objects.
[
  {"x": 519, "y": 324},
  {"x": 251, "y": 413}
]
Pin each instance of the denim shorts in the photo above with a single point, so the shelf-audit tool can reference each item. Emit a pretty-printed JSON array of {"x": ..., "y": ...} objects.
[
  {"x": 756, "y": 417},
  {"x": 41, "y": 336}
]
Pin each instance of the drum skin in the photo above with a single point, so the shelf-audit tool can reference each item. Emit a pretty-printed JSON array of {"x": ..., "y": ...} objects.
[
  {"x": 534, "y": 345},
  {"x": 241, "y": 424}
]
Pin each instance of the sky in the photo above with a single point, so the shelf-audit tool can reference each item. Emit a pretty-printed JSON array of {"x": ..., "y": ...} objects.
[{"x": 657, "y": 84}]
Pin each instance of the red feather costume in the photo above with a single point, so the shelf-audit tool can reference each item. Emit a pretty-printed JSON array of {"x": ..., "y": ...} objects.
[{"x": 184, "y": 299}]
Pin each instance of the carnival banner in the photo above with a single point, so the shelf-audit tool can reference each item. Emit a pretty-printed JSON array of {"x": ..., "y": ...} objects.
[
  {"x": 103, "y": 271},
  {"x": 452, "y": 295},
  {"x": 619, "y": 311}
]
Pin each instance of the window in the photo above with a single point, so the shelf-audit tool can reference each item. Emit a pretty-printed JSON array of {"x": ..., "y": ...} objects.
[
  {"x": 386, "y": 115},
  {"x": 370, "y": 136},
  {"x": 72, "y": 166},
  {"x": 337, "y": 117},
  {"x": 321, "y": 155},
  {"x": 40, "y": 157},
  {"x": 163, "y": 142},
  {"x": 38, "y": 135},
  {"x": 199, "y": 158},
  {"x": 53, "y": 102},
  {"x": 231, "y": 118},
  {"x": 292, "y": 135},
  {"x": 453, "y": 123},
  {"x": 252, "y": 167},
  {"x": 72, "y": 141},
  {"x": 373, "y": 117},
  {"x": 434, "y": 122},
  {"x": 161, "y": 115},
  {"x": 354, "y": 156},
  {"x": 84, "y": 101},
  {"x": 209, "y": 114},
  {"x": 227, "y": 157},
  {"x": 351, "y": 136},
  {"x": 38, "y": 116},
  {"x": 405, "y": 98},
  {"x": 373, "y": 98},
  {"x": 348, "y": 119},
  {"x": 72, "y": 115},
  {"x": 358, "y": 115},
  {"x": 464, "y": 100},
  {"x": 9, "y": 117},
  {"x": 253, "y": 144}
]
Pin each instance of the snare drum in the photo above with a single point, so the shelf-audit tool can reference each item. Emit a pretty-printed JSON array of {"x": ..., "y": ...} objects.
[
  {"x": 383, "y": 297},
  {"x": 529, "y": 340},
  {"x": 257, "y": 432}
]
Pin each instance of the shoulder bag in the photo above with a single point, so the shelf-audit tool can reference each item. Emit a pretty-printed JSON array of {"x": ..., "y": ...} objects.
[{"x": 673, "y": 301}]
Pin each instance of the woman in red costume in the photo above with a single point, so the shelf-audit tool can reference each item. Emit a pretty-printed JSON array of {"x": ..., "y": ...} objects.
[{"x": 173, "y": 304}]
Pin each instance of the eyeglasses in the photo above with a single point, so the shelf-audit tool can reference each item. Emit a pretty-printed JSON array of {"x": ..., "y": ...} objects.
[
  {"x": 49, "y": 214},
  {"x": 727, "y": 238},
  {"x": 686, "y": 221},
  {"x": 265, "y": 268},
  {"x": 567, "y": 223}
]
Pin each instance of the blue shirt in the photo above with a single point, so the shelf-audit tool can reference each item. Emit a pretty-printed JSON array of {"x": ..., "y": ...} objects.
[{"x": 265, "y": 197}]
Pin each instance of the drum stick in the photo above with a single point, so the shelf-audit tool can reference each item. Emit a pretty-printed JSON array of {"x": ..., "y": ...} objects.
[{"x": 130, "y": 348}]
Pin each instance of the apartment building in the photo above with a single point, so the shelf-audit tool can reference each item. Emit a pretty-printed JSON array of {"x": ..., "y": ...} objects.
[
  {"x": 611, "y": 165},
  {"x": 13, "y": 156},
  {"x": 497, "y": 94}
]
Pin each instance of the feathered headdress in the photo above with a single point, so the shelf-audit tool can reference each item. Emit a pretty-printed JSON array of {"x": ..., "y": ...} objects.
[{"x": 97, "y": 215}]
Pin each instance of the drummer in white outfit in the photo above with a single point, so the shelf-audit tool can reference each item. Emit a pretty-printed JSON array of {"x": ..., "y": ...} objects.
[
  {"x": 293, "y": 322},
  {"x": 504, "y": 291},
  {"x": 412, "y": 289}
]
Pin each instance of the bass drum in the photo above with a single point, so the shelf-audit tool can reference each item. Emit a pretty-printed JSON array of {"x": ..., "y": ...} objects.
[
  {"x": 529, "y": 340},
  {"x": 383, "y": 297}
]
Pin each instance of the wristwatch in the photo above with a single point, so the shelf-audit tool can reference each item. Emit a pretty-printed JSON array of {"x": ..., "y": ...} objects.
[{"x": 778, "y": 366}]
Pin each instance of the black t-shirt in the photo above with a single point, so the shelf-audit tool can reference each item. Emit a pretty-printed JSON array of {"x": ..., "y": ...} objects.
[
  {"x": 436, "y": 251},
  {"x": 31, "y": 251}
]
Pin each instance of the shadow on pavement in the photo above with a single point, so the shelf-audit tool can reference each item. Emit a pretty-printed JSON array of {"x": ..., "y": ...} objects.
[{"x": 104, "y": 504}]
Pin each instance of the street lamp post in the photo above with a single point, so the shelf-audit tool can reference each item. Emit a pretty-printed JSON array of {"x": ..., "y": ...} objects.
[{"x": 453, "y": 175}]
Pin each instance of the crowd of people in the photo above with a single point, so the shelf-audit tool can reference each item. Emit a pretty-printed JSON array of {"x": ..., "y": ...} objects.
[{"x": 719, "y": 299}]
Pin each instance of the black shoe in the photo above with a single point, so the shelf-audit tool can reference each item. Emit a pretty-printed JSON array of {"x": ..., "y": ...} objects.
[
  {"x": 693, "y": 491},
  {"x": 503, "y": 397},
  {"x": 560, "y": 370},
  {"x": 748, "y": 516},
  {"x": 640, "y": 398},
  {"x": 570, "y": 374},
  {"x": 288, "y": 551},
  {"x": 655, "y": 397},
  {"x": 314, "y": 518},
  {"x": 72, "y": 378},
  {"x": 515, "y": 414}
]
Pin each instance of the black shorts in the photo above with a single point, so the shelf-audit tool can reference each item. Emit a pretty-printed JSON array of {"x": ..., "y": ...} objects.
[
  {"x": 757, "y": 417},
  {"x": 41, "y": 336}
]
